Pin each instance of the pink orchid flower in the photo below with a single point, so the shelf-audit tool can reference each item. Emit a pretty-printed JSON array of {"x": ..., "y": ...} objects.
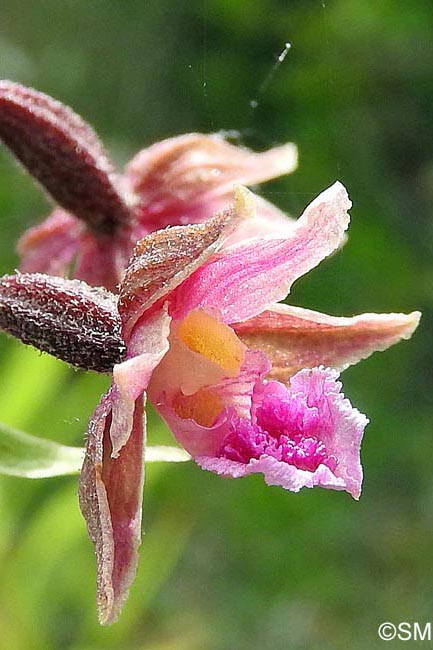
[
  {"x": 240, "y": 380},
  {"x": 102, "y": 214}
]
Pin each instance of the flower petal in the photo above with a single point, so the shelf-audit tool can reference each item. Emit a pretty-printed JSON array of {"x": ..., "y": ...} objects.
[
  {"x": 63, "y": 153},
  {"x": 266, "y": 220},
  {"x": 195, "y": 438},
  {"x": 295, "y": 338},
  {"x": 244, "y": 280},
  {"x": 51, "y": 246},
  {"x": 339, "y": 426},
  {"x": 275, "y": 473},
  {"x": 343, "y": 426},
  {"x": 110, "y": 499},
  {"x": 179, "y": 176},
  {"x": 162, "y": 260}
]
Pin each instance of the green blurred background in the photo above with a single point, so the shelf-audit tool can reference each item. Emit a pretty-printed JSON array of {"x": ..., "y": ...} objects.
[{"x": 231, "y": 565}]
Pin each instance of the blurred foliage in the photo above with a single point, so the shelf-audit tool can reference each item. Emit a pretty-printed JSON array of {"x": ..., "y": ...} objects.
[{"x": 228, "y": 565}]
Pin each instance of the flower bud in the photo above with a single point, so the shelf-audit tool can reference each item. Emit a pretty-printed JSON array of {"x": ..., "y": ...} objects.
[
  {"x": 66, "y": 318},
  {"x": 63, "y": 154}
]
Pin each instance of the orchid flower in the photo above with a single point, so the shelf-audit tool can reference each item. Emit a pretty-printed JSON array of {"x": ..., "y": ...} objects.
[
  {"x": 246, "y": 385},
  {"x": 101, "y": 214}
]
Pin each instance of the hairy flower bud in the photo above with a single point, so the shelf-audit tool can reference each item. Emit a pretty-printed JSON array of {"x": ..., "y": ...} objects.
[
  {"x": 66, "y": 318},
  {"x": 64, "y": 154}
]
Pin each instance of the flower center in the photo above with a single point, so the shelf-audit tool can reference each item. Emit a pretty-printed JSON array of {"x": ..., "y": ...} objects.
[
  {"x": 204, "y": 334},
  {"x": 204, "y": 406}
]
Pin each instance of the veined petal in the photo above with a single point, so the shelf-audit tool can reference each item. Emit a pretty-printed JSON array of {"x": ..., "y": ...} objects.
[
  {"x": 267, "y": 220},
  {"x": 243, "y": 281},
  {"x": 110, "y": 499},
  {"x": 51, "y": 246},
  {"x": 295, "y": 338},
  {"x": 162, "y": 260},
  {"x": 182, "y": 173}
]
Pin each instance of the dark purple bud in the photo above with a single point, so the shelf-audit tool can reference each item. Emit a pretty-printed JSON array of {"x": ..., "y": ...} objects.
[
  {"x": 64, "y": 154},
  {"x": 69, "y": 319}
]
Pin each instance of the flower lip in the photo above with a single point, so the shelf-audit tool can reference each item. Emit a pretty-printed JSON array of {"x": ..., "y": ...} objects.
[
  {"x": 303, "y": 434},
  {"x": 246, "y": 442},
  {"x": 282, "y": 428}
]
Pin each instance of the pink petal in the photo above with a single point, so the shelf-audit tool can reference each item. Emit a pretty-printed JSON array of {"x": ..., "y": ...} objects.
[
  {"x": 267, "y": 220},
  {"x": 110, "y": 499},
  {"x": 275, "y": 473},
  {"x": 182, "y": 175},
  {"x": 195, "y": 438},
  {"x": 338, "y": 425},
  {"x": 50, "y": 247},
  {"x": 162, "y": 260},
  {"x": 243, "y": 281},
  {"x": 345, "y": 424},
  {"x": 295, "y": 338},
  {"x": 237, "y": 392}
]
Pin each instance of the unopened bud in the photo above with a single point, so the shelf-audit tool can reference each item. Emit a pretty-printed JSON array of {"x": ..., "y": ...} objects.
[
  {"x": 64, "y": 154},
  {"x": 66, "y": 318}
]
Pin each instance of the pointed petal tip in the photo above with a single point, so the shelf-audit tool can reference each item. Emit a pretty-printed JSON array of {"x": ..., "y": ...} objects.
[
  {"x": 329, "y": 213},
  {"x": 285, "y": 158},
  {"x": 295, "y": 338},
  {"x": 336, "y": 193},
  {"x": 291, "y": 156},
  {"x": 356, "y": 495},
  {"x": 402, "y": 326},
  {"x": 410, "y": 323}
]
